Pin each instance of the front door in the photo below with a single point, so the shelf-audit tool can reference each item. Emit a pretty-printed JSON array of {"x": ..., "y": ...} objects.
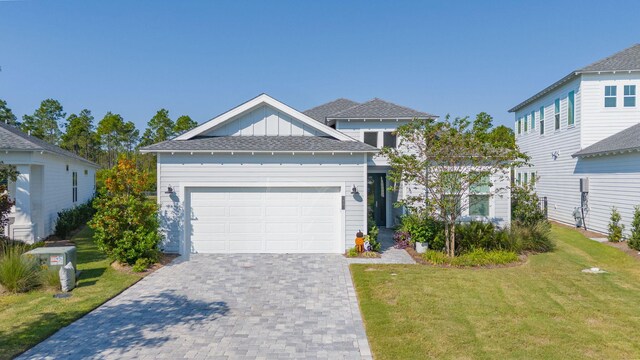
[{"x": 376, "y": 198}]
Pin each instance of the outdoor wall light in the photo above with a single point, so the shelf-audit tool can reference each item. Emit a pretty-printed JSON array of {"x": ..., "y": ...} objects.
[
  {"x": 169, "y": 190},
  {"x": 354, "y": 190}
]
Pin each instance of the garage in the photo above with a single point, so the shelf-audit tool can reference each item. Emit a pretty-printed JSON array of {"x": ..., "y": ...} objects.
[{"x": 264, "y": 220}]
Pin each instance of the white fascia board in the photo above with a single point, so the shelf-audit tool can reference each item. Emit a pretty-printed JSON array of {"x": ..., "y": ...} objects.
[
  {"x": 262, "y": 99},
  {"x": 257, "y": 152}
]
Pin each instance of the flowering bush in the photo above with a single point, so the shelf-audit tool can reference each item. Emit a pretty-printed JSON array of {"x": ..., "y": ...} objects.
[
  {"x": 126, "y": 222},
  {"x": 402, "y": 239}
]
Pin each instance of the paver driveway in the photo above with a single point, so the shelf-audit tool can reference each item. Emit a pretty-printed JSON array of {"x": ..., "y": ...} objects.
[{"x": 225, "y": 306}]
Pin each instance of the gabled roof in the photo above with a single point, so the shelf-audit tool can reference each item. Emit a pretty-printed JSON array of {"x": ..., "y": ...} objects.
[
  {"x": 625, "y": 60},
  {"x": 249, "y": 144},
  {"x": 254, "y": 103},
  {"x": 12, "y": 139},
  {"x": 623, "y": 141},
  {"x": 320, "y": 113}
]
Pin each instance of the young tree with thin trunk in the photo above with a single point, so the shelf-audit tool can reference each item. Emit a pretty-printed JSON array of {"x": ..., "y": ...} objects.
[{"x": 442, "y": 163}]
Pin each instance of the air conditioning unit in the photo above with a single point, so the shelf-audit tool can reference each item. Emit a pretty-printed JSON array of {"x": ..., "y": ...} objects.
[{"x": 584, "y": 185}]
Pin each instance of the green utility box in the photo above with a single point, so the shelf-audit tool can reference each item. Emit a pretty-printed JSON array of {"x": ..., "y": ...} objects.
[{"x": 54, "y": 257}]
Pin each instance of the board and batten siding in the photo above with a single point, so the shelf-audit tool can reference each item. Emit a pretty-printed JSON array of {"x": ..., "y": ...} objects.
[
  {"x": 264, "y": 121},
  {"x": 614, "y": 180},
  {"x": 298, "y": 170},
  {"x": 357, "y": 127},
  {"x": 556, "y": 179},
  {"x": 599, "y": 121}
]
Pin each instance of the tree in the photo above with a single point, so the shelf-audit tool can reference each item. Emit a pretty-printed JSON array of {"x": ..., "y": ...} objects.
[
  {"x": 443, "y": 162},
  {"x": 634, "y": 239},
  {"x": 80, "y": 136},
  {"x": 116, "y": 137},
  {"x": 126, "y": 222},
  {"x": 616, "y": 229},
  {"x": 43, "y": 123},
  {"x": 6, "y": 115},
  {"x": 183, "y": 124},
  {"x": 159, "y": 128},
  {"x": 7, "y": 173}
]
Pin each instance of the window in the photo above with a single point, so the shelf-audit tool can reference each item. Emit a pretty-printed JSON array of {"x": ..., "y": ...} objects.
[
  {"x": 479, "y": 197},
  {"x": 571, "y": 108},
  {"x": 557, "y": 113},
  {"x": 519, "y": 126},
  {"x": 541, "y": 117},
  {"x": 533, "y": 178},
  {"x": 519, "y": 181},
  {"x": 526, "y": 179},
  {"x": 525, "y": 123},
  {"x": 533, "y": 120},
  {"x": 371, "y": 138},
  {"x": 389, "y": 140},
  {"x": 610, "y": 93},
  {"x": 74, "y": 185},
  {"x": 629, "y": 95}
]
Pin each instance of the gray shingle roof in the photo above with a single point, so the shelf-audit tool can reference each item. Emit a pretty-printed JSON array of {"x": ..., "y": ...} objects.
[
  {"x": 320, "y": 113},
  {"x": 625, "y": 140},
  {"x": 625, "y": 60},
  {"x": 379, "y": 109},
  {"x": 261, "y": 144},
  {"x": 11, "y": 138}
]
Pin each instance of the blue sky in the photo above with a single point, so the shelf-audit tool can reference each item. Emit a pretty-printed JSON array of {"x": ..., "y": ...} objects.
[{"x": 201, "y": 58}]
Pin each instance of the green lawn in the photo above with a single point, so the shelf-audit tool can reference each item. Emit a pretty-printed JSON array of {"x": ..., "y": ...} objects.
[
  {"x": 544, "y": 309},
  {"x": 26, "y": 319}
]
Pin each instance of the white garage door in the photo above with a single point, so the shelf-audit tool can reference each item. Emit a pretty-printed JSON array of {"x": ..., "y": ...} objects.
[{"x": 265, "y": 220}]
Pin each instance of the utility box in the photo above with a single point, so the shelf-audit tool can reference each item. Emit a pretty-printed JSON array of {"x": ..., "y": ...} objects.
[
  {"x": 584, "y": 185},
  {"x": 54, "y": 257}
]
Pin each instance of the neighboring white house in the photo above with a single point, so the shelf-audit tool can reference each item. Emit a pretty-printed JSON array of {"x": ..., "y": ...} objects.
[
  {"x": 51, "y": 179},
  {"x": 264, "y": 177},
  {"x": 585, "y": 126}
]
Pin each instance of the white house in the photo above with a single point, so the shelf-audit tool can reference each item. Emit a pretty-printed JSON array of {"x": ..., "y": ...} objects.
[
  {"x": 51, "y": 179},
  {"x": 264, "y": 177},
  {"x": 584, "y": 129}
]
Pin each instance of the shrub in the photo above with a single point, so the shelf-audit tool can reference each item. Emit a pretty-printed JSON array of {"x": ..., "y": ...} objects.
[
  {"x": 476, "y": 257},
  {"x": 372, "y": 238},
  {"x": 73, "y": 218},
  {"x": 634, "y": 239},
  {"x": 535, "y": 238},
  {"x": 525, "y": 206},
  {"x": 142, "y": 264},
  {"x": 402, "y": 239},
  {"x": 481, "y": 235},
  {"x": 18, "y": 273},
  {"x": 352, "y": 252},
  {"x": 50, "y": 278},
  {"x": 615, "y": 227},
  {"x": 126, "y": 221}
]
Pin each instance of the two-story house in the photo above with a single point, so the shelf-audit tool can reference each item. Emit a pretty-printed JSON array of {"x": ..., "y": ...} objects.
[
  {"x": 265, "y": 177},
  {"x": 583, "y": 135}
]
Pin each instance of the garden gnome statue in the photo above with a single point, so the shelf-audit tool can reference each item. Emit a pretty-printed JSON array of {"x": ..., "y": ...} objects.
[{"x": 359, "y": 241}]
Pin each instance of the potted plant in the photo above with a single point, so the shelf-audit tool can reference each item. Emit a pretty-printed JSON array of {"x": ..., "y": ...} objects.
[{"x": 421, "y": 247}]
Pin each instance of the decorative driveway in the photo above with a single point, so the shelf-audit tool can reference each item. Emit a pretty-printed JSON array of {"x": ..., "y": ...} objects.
[{"x": 224, "y": 307}]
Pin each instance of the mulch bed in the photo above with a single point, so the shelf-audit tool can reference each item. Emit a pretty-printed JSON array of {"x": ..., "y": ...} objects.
[
  {"x": 420, "y": 260},
  {"x": 164, "y": 260},
  {"x": 364, "y": 255}
]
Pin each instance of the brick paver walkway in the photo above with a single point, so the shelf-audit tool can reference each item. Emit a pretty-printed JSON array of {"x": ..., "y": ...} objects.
[{"x": 224, "y": 307}]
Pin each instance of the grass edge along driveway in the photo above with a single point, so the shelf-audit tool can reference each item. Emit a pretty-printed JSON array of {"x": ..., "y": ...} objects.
[
  {"x": 544, "y": 309},
  {"x": 27, "y": 319}
]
